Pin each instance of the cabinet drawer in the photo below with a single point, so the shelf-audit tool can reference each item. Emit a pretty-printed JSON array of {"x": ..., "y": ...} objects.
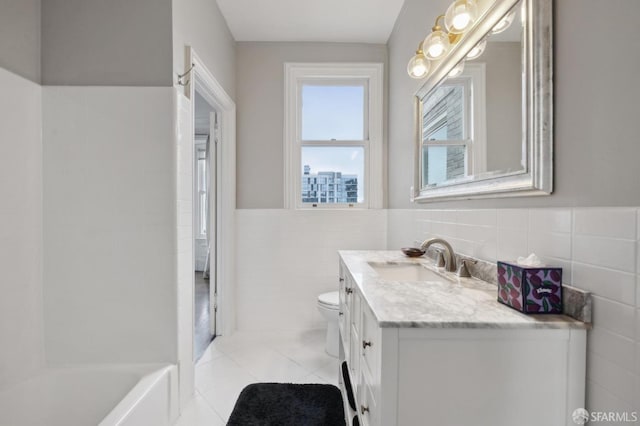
[
  {"x": 370, "y": 342},
  {"x": 367, "y": 407}
]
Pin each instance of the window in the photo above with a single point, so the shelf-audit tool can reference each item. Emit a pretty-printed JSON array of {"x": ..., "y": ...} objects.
[
  {"x": 333, "y": 135},
  {"x": 445, "y": 133},
  {"x": 201, "y": 187},
  {"x": 453, "y": 135}
]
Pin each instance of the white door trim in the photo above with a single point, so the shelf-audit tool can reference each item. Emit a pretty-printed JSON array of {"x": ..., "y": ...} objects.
[
  {"x": 212, "y": 92},
  {"x": 213, "y": 209},
  {"x": 206, "y": 84}
]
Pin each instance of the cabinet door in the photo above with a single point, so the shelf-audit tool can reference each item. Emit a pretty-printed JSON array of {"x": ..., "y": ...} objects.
[
  {"x": 367, "y": 406},
  {"x": 371, "y": 343},
  {"x": 354, "y": 346},
  {"x": 355, "y": 311},
  {"x": 343, "y": 314}
]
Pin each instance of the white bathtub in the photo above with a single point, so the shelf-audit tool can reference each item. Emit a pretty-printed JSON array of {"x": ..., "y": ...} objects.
[{"x": 109, "y": 395}]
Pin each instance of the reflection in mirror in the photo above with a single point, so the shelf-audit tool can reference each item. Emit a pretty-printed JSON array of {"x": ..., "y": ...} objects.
[
  {"x": 472, "y": 123},
  {"x": 484, "y": 128},
  {"x": 446, "y": 135}
]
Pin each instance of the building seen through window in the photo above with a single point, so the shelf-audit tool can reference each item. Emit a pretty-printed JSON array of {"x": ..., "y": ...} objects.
[{"x": 329, "y": 187}]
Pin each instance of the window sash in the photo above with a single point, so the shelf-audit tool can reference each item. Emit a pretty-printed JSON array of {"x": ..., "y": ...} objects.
[
  {"x": 200, "y": 187},
  {"x": 468, "y": 156},
  {"x": 334, "y": 144},
  {"x": 336, "y": 82},
  {"x": 467, "y": 132}
]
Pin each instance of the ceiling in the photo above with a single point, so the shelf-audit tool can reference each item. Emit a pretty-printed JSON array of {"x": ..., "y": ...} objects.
[{"x": 362, "y": 21}]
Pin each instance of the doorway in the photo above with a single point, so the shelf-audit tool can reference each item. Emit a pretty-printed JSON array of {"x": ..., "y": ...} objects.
[
  {"x": 204, "y": 224},
  {"x": 222, "y": 177}
]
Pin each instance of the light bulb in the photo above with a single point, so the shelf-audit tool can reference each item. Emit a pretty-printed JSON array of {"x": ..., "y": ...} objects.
[
  {"x": 436, "y": 50},
  {"x": 461, "y": 21},
  {"x": 457, "y": 70},
  {"x": 477, "y": 50},
  {"x": 504, "y": 23},
  {"x": 418, "y": 66},
  {"x": 460, "y": 16},
  {"x": 436, "y": 45}
]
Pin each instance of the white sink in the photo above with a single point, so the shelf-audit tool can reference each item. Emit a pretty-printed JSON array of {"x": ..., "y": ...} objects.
[{"x": 390, "y": 271}]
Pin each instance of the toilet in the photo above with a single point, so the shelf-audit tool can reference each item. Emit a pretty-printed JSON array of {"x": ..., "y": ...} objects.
[{"x": 329, "y": 306}]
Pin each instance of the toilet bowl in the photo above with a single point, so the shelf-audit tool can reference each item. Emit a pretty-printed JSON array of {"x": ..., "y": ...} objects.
[{"x": 329, "y": 306}]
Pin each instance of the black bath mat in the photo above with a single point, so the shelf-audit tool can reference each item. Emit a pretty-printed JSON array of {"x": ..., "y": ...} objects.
[{"x": 286, "y": 404}]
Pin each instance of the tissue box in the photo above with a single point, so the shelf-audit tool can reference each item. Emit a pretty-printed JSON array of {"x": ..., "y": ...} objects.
[{"x": 534, "y": 289}]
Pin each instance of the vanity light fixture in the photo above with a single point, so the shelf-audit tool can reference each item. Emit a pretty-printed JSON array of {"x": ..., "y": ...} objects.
[
  {"x": 477, "y": 50},
  {"x": 436, "y": 45},
  {"x": 460, "y": 16},
  {"x": 418, "y": 66},
  {"x": 504, "y": 23}
]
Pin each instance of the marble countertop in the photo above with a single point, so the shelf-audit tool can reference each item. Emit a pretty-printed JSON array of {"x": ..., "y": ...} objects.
[{"x": 451, "y": 302}]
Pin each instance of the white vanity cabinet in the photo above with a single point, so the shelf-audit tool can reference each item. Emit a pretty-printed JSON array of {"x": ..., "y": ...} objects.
[
  {"x": 416, "y": 373},
  {"x": 349, "y": 323},
  {"x": 361, "y": 341}
]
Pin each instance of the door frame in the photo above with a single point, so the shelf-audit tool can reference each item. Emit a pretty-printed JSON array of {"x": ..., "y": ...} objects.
[
  {"x": 213, "y": 179},
  {"x": 208, "y": 87},
  {"x": 199, "y": 76}
]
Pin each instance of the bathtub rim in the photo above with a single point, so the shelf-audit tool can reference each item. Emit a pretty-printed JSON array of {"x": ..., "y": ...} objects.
[{"x": 142, "y": 388}]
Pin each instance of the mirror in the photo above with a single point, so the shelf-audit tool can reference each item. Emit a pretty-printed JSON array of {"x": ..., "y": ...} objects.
[{"x": 483, "y": 125}]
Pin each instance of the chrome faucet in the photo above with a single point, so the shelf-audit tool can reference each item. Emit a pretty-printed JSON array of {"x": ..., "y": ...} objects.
[{"x": 449, "y": 255}]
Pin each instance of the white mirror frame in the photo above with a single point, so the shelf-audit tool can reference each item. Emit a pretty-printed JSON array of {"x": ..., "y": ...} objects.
[{"x": 537, "y": 108}]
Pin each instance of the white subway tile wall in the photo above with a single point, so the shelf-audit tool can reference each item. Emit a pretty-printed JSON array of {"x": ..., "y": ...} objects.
[
  {"x": 184, "y": 245},
  {"x": 286, "y": 258},
  {"x": 596, "y": 247},
  {"x": 599, "y": 251}
]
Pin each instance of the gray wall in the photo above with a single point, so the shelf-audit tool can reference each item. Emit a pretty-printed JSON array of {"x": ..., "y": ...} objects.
[
  {"x": 20, "y": 37},
  {"x": 410, "y": 29},
  {"x": 260, "y": 99},
  {"x": 199, "y": 23},
  {"x": 106, "y": 43},
  {"x": 504, "y": 117},
  {"x": 596, "y": 142}
]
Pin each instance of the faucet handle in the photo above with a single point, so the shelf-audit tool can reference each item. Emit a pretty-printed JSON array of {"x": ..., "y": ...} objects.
[{"x": 463, "y": 270}]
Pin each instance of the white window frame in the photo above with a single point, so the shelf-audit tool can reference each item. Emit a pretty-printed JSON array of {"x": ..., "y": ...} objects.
[
  {"x": 473, "y": 81},
  {"x": 334, "y": 73},
  {"x": 200, "y": 144}
]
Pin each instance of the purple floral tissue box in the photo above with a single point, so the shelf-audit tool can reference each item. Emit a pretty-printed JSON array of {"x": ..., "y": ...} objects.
[{"x": 534, "y": 290}]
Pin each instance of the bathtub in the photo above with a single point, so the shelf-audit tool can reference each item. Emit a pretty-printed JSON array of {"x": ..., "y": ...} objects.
[{"x": 106, "y": 395}]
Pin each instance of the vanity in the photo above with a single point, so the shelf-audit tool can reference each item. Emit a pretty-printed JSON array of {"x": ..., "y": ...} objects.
[
  {"x": 425, "y": 347},
  {"x": 422, "y": 346}
]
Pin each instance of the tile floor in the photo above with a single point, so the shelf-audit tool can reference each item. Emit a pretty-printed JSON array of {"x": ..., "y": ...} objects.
[
  {"x": 231, "y": 363},
  {"x": 202, "y": 334}
]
